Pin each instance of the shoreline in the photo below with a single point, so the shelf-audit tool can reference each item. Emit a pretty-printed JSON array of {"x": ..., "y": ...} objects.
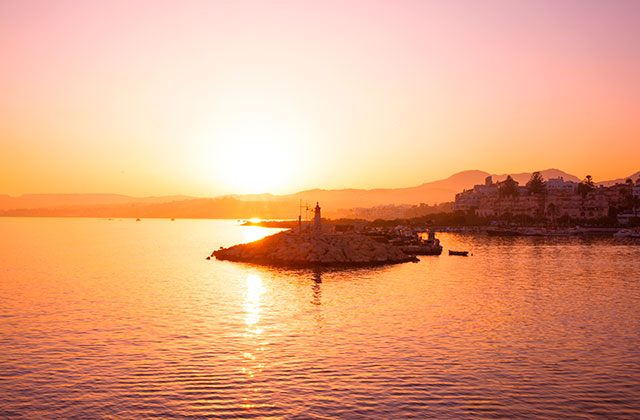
[
  {"x": 516, "y": 231},
  {"x": 488, "y": 230}
]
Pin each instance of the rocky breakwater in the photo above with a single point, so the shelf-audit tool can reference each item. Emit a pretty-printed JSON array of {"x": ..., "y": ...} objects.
[{"x": 298, "y": 250}]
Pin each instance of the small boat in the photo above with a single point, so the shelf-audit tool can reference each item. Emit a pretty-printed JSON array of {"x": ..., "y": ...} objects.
[
  {"x": 137, "y": 220},
  {"x": 461, "y": 253}
]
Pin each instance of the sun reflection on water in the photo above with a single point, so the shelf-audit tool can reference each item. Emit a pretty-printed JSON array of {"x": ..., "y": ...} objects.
[
  {"x": 255, "y": 289},
  {"x": 252, "y": 365},
  {"x": 253, "y": 233}
]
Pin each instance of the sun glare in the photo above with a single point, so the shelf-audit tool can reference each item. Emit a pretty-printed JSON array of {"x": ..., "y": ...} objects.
[{"x": 255, "y": 157}]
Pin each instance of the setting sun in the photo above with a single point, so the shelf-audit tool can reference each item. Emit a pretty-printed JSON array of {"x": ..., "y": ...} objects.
[{"x": 254, "y": 156}]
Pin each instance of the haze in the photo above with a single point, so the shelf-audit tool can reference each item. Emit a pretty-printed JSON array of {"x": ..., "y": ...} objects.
[{"x": 210, "y": 98}]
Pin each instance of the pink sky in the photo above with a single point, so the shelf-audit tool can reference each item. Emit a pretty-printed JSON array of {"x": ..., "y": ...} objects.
[{"x": 206, "y": 97}]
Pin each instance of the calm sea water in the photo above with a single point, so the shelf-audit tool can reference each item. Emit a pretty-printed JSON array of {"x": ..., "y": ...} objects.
[{"x": 124, "y": 319}]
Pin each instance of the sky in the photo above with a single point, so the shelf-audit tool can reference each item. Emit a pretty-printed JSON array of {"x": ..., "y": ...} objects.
[{"x": 216, "y": 97}]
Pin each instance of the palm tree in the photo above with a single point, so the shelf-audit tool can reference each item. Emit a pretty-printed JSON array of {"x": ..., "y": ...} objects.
[{"x": 585, "y": 186}]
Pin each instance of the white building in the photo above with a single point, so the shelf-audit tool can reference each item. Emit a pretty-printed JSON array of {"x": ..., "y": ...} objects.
[
  {"x": 470, "y": 199},
  {"x": 559, "y": 185}
]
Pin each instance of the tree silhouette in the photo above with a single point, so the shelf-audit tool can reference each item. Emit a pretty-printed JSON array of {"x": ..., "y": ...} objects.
[
  {"x": 508, "y": 188},
  {"x": 536, "y": 184},
  {"x": 585, "y": 186}
]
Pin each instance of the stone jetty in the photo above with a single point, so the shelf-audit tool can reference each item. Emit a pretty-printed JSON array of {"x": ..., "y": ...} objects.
[
  {"x": 313, "y": 246},
  {"x": 304, "y": 249}
]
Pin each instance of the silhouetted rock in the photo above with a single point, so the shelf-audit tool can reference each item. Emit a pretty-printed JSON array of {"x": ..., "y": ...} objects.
[{"x": 293, "y": 249}]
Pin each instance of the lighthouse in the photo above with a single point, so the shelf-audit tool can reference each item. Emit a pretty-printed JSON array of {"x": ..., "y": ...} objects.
[{"x": 317, "y": 225}]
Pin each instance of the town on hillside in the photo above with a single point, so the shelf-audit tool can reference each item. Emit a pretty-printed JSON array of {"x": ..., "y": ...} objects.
[{"x": 553, "y": 201}]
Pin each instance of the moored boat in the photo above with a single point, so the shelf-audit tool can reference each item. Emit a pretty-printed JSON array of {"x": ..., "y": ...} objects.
[
  {"x": 419, "y": 245},
  {"x": 460, "y": 253},
  {"x": 426, "y": 249}
]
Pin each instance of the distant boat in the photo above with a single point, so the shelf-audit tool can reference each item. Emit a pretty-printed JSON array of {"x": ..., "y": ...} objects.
[
  {"x": 137, "y": 220},
  {"x": 172, "y": 219},
  {"x": 461, "y": 253}
]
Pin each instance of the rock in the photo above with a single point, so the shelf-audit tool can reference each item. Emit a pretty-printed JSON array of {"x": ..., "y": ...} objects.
[{"x": 293, "y": 249}]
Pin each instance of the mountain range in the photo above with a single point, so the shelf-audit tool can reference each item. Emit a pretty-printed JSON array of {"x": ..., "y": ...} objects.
[{"x": 334, "y": 202}]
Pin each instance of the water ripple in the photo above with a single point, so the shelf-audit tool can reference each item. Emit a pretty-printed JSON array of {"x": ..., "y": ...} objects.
[{"x": 126, "y": 327}]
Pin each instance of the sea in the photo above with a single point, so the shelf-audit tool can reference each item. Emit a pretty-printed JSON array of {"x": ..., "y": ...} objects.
[{"x": 119, "y": 318}]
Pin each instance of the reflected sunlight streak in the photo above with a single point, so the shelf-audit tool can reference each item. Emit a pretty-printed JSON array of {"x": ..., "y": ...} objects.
[
  {"x": 253, "y": 233},
  {"x": 255, "y": 289}
]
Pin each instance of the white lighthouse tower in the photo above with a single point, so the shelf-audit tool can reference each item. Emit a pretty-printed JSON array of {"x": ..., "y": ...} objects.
[{"x": 317, "y": 219}]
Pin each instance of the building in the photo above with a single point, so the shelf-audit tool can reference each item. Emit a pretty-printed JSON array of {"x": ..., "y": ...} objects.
[
  {"x": 496, "y": 206},
  {"x": 559, "y": 185},
  {"x": 560, "y": 200},
  {"x": 469, "y": 200}
]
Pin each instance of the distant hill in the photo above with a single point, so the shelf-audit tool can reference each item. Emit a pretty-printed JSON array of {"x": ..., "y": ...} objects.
[
  {"x": 431, "y": 192},
  {"x": 440, "y": 191},
  {"x": 634, "y": 177},
  {"x": 194, "y": 208},
  {"x": 524, "y": 177},
  {"x": 334, "y": 202},
  {"x": 37, "y": 201}
]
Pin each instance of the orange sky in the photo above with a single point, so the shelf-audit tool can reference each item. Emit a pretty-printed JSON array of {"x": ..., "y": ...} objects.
[{"x": 215, "y": 97}]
